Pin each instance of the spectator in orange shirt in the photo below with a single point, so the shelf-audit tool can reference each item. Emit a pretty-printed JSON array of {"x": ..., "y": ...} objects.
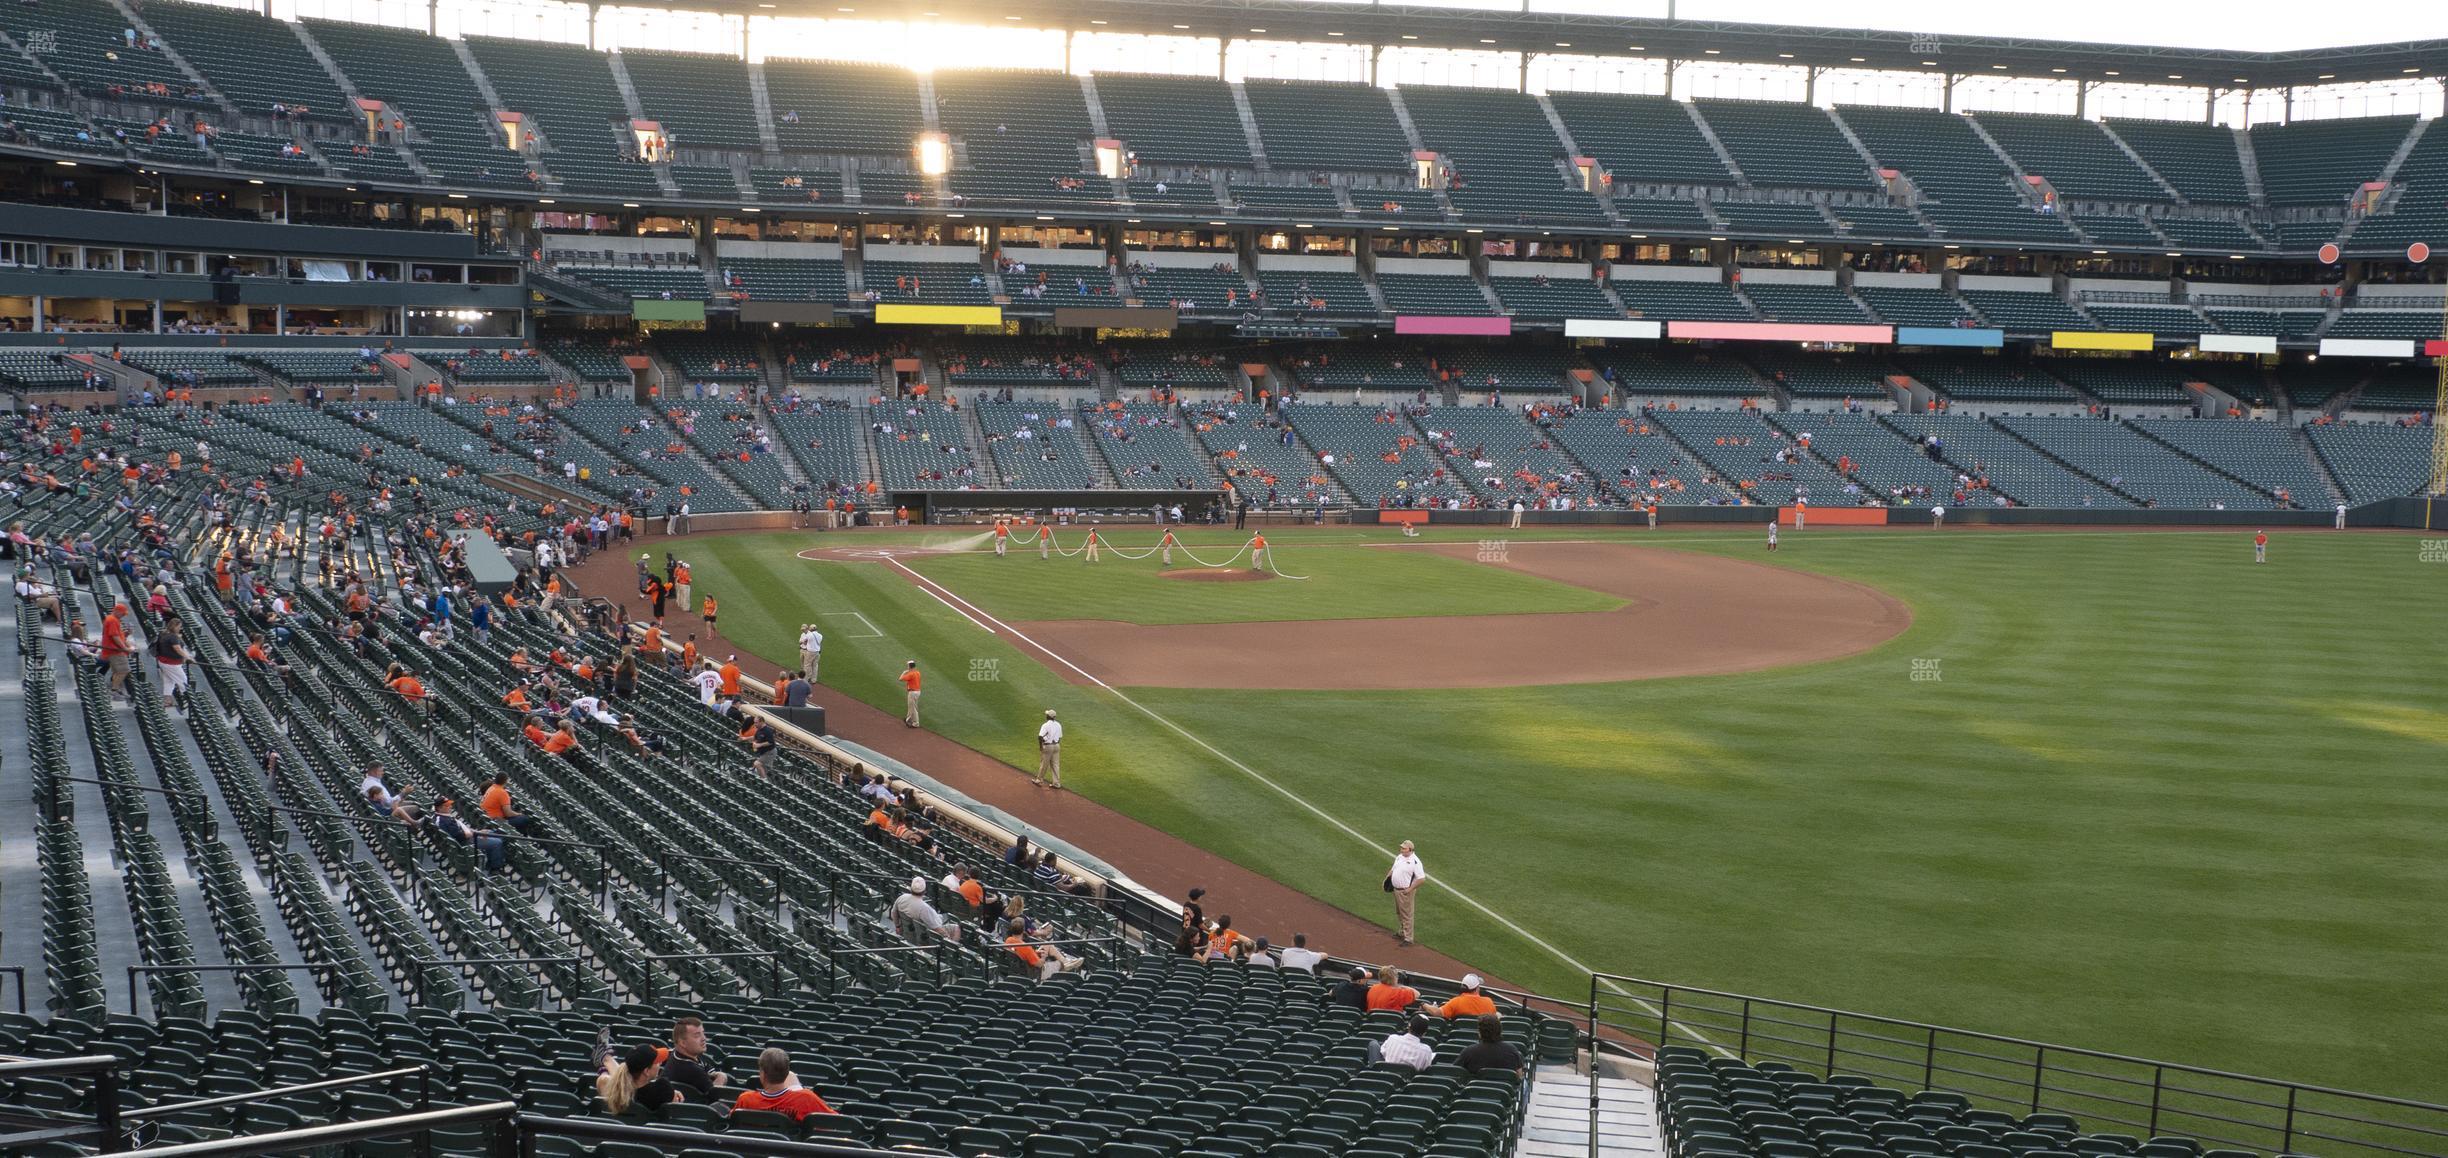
[
  {"x": 496, "y": 804},
  {"x": 731, "y": 678},
  {"x": 709, "y": 613},
  {"x": 1390, "y": 992},
  {"x": 778, "y": 1090},
  {"x": 115, "y": 648},
  {"x": 1468, "y": 1003}
]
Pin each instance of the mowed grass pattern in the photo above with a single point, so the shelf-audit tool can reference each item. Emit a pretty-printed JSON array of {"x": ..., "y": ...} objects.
[
  {"x": 2158, "y": 800},
  {"x": 1337, "y": 582}
]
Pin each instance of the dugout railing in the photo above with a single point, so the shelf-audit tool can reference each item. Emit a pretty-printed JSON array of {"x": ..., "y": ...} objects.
[{"x": 2103, "y": 1092}]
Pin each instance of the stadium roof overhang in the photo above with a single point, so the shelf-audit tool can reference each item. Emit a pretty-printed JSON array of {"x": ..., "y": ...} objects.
[{"x": 1370, "y": 22}]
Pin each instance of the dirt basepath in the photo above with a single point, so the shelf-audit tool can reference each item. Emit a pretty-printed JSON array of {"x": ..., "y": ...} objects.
[
  {"x": 1687, "y": 614},
  {"x": 1151, "y": 856}
]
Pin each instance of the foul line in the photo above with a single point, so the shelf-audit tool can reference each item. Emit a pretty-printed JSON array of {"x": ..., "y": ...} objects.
[
  {"x": 873, "y": 632},
  {"x": 947, "y": 602},
  {"x": 946, "y": 596}
]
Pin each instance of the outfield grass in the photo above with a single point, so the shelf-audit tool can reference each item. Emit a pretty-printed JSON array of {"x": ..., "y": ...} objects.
[
  {"x": 2158, "y": 800},
  {"x": 1345, "y": 582}
]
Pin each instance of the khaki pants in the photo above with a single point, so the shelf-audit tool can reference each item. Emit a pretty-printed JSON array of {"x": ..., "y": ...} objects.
[
  {"x": 1516, "y": 524},
  {"x": 1049, "y": 765},
  {"x": 682, "y": 590},
  {"x": 1092, "y": 550},
  {"x": 1002, "y": 545},
  {"x": 910, "y": 717},
  {"x": 1402, "y": 911},
  {"x": 807, "y": 663}
]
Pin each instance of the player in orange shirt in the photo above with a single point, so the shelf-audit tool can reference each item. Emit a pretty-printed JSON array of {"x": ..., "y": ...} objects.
[
  {"x": 1002, "y": 536},
  {"x": 1258, "y": 552},
  {"x": 909, "y": 681},
  {"x": 1092, "y": 545}
]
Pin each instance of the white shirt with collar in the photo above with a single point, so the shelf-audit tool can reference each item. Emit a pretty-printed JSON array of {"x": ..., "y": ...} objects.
[
  {"x": 1049, "y": 733},
  {"x": 811, "y": 640},
  {"x": 1404, "y": 1049},
  {"x": 1408, "y": 871}
]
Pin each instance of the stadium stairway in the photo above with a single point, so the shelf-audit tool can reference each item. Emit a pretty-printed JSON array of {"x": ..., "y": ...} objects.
[
  {"x": 1558, "y": 1121},
  {"x": 170, "y": 52}
]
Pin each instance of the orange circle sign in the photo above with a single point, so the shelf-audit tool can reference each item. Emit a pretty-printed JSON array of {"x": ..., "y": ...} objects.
[
  {"x": 2418, "y": 253},
  {"x": 2329, "y": 253}
]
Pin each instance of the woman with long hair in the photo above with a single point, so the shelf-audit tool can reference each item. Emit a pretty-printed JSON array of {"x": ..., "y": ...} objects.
[{"x": 634, "y": 1079}]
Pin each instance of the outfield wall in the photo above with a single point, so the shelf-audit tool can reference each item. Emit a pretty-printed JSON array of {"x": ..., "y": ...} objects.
[{"x": 2407, "y": 513}]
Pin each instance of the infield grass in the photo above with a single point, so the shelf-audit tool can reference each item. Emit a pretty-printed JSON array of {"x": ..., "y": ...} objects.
[{"x": 2156, "y": 799}]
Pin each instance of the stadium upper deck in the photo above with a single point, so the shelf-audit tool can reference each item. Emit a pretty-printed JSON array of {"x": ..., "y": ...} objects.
[{"x": 527, "y": 125}]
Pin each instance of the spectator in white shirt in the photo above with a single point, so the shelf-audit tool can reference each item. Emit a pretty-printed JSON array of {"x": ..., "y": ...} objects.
[
  {"x": 1262, "y": 955},
  {"x": 1300, "y": 956},
  {"x": 591, "y": 708},
  {"x": 1408, "y": 1047}
]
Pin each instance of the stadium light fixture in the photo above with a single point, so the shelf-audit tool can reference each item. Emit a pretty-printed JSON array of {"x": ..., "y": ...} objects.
[
  {"x": 1954, "y": 247},
  {"x": 1219, "y": 223},
  {"x": 1997, "y": 66},
  {"x": 2328, "y": 76},
  {"x": 2411, "y": 70},
  {"x": 934, "y": 154},
  {"x": 1929, "y": 64},
  {"x": 2174, "y": 253},
  {"x": 254, "y": 180},
  {"x": 1858, "y": 59},
  {"x": 1260, "y": 30},
  {"x": 454, "y": 196},
  {"x": 1334, "y": 34},
  {"x": 1474, "y": 231},
  {"x": 2235, "y": 257},
  {"x": 1180, "y": 26},
  {"x": 1096, "y": 22},
  {"x": 1408, "y": 36},
  {"x": 750, "y": 209},
  {"x": 2056, "y": 70},
  {"x": 2243, "y": 80},
  {"x": 2099, "y": 253},
  {"x": 956, "y": 215},
  {"x": 1636, "y": 48},
  {"x": 546, "y": 201},
  {"x": 1486, "y": 40},
  {"x": 1045, "y": 218},
  {"x": 2175, "y": 76},
  {"x": 629, "y": 204},
  {"x": 1563, "y": 44},
  {"x": 72, "y": 165},
  {"x": 1714, "y": 51},
  {"x": 1299, "y": 225},
  {"x": 2113, "y": 72},
  {"x": 1784, "y": 56}
]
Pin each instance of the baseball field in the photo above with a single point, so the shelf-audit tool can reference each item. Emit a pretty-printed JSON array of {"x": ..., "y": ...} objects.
[{"x": 2128, "y": 791}]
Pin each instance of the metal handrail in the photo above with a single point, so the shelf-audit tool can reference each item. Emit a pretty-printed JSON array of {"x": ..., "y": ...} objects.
[
  {"x": 528, "y": 1126},
  {"x": 340, "y": 1133},
  {"x": 142, "y": 1112},
  {"x": 2091, "y": 1093}
]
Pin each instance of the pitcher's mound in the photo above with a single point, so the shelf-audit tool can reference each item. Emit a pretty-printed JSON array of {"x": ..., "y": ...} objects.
[{"x": 1213, "y": 575}]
